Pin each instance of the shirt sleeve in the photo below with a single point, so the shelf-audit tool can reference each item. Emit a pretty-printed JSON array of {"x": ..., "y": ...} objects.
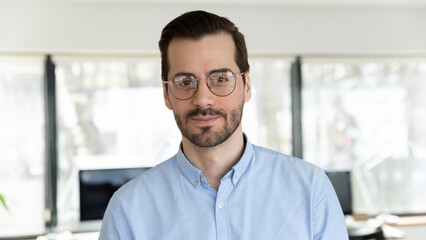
[
  {"x": 114, "y": 223},
  {"x": 328, "y": 219}
]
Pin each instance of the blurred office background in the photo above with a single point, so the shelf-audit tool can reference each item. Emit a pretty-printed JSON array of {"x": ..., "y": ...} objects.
[{"x": 340, "y": 84}]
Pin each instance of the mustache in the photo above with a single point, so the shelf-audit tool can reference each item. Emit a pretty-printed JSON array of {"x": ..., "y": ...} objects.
[{"x": 205, "y": 112}]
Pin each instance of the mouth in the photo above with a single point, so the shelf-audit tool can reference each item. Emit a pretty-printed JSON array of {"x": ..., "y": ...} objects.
[
  {"x": 203, "y": 118},
  {"x": 203, "y": 121}
]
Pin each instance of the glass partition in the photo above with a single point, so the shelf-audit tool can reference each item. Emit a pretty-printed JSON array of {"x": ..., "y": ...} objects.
[
  {"x": 22, "y": 145},
  {"x": 368, "y": 116},
  {"x": 267, "y": 116}
]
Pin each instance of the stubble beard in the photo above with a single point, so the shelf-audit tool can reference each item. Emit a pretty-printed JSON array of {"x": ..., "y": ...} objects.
[{"x": 206, "y": 138}]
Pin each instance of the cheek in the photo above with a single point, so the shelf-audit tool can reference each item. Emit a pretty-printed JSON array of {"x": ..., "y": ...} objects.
[
  {"x": 240, "y": 97},
  {"x": 178, "y": 108}
]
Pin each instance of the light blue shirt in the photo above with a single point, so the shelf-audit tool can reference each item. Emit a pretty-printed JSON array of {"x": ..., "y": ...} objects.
[{"x": 267, "y": 195}]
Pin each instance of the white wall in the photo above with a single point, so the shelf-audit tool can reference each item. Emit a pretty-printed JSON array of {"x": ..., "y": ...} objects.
[{"x": 130, "y": 27}]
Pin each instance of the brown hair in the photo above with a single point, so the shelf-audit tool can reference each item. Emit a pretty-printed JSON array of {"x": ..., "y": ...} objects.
[{"x": 195, "y": 25}]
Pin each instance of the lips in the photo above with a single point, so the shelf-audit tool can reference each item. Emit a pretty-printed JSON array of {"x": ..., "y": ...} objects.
[
  {"x": 207, "y": 120},
  {"x": 205, "y": 117}
]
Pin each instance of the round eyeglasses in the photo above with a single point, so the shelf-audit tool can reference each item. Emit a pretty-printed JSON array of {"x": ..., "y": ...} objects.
[{"x": 222, "y": 83}]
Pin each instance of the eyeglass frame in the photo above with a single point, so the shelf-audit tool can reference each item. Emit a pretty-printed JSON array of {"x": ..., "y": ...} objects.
[{"x": 205, "y": 78}]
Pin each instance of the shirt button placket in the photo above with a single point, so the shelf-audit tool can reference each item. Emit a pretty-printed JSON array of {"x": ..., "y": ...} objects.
[{"x": 221, "y": 211}]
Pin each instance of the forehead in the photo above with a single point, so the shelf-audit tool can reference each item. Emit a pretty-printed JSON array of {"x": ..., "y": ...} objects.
[{"x": 212, "y": 51}]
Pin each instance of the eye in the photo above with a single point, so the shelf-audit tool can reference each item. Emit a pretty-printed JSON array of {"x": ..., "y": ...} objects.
[
  {"x": 218, "y": 79},
  {"x": 221, "y": 79},
  {"x": 184, "y": 82}
]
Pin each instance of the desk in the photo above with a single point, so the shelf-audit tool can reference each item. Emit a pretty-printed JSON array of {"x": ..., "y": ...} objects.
[
  {"x": 410, "y": 221},
  {"x": 406, "y": 227},
  {"x": 70, "y": 236}
]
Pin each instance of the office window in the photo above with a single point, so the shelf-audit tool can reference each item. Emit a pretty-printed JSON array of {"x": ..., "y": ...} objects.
[
  {"x": 22, "y": 145},
  {"x": 267, "y": 116},
  {"x": 368, "y": 116},
  {"x": 111, "y": 114}
]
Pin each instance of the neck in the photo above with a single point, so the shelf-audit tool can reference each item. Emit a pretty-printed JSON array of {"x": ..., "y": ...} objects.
[{"x": 215, "y": 162}]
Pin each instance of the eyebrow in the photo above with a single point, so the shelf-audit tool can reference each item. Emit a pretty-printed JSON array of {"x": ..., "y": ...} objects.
[
  {"x": 218, "y": 70},
  {"x": 182, "y": 74},
  {"x": 208, "y": 73}
]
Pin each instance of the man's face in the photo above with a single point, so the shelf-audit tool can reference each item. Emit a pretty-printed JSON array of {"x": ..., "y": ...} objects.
[{"x": 206, "y": 120}]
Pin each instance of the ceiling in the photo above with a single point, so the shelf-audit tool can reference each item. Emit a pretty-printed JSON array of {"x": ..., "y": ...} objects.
[{"x": 301, "y": 3}]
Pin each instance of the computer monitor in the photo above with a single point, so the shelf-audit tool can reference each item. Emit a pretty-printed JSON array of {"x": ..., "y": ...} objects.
[
  {"x": 97, "y": 187},
  {"x": 341, "y": 181}
]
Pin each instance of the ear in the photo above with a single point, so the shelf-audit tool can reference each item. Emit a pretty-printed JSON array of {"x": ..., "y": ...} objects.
[
  {"x": 166, "y": 97},
  {"x": 247, "y": 87}
]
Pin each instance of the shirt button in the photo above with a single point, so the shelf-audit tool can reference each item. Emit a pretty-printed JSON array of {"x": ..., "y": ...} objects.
[
  {"x": 220, "y": 205},
  {"x": 203, "y": 179},
  {"x": 196, "y": 183}
]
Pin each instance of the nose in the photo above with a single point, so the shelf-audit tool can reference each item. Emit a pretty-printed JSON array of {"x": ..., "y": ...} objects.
[{"x": 203, "y": 98}]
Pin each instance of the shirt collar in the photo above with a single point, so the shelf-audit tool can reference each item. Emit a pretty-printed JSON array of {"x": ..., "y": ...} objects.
[
  {"x": 194, "y": 175},
  {"x": 240, "y": 168}
]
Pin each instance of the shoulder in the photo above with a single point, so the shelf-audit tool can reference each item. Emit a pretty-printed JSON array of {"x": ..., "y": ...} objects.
[
  {"x": 140, "y": 187},
  {"x": 135, "y": 204},
  {"x": 273, "y": 159},
  {"x": 287, "y": 172}
]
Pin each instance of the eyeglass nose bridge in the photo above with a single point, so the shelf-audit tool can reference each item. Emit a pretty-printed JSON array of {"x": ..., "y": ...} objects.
[
  {"x": 207, "y": 83},
  {"x": 198, "y": 85}
]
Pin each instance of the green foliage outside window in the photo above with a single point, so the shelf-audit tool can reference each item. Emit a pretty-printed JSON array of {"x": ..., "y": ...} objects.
[{"x": 3, "y": 202}]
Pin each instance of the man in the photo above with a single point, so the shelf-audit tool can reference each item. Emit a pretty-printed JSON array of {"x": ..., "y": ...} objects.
[{"x": 219, "y": 185}]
